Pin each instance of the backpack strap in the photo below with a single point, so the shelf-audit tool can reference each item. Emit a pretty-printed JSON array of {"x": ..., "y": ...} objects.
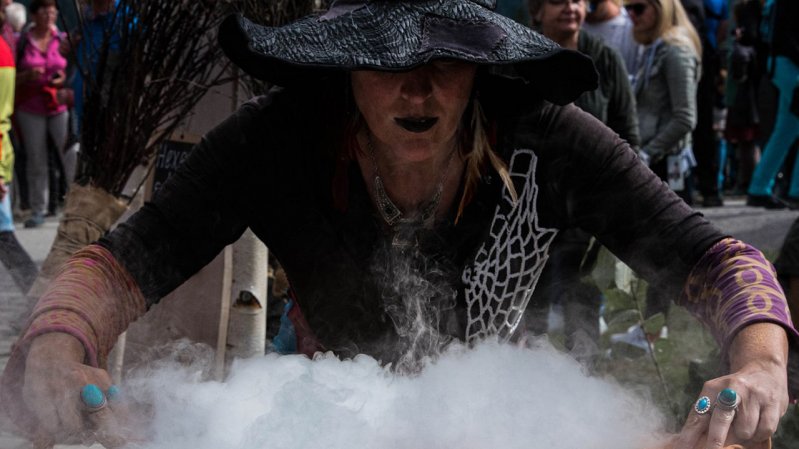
[{"x": 22, "y": 43}]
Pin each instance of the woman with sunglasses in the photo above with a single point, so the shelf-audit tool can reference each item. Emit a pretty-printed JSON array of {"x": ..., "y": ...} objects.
[
  {"x": 666, "y": 81},
  {"x": 665, "y": 92}
]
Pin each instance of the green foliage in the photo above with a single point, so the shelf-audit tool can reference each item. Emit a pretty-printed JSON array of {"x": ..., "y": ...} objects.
[
  {"x": 685, "y": 360},
  {"x": 787, "y": 434},
  {"x": 672, "y": 375}
]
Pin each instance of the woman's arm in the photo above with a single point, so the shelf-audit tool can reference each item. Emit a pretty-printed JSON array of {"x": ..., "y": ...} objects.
[
  {"x": 591, "y": 179},
  {"x": 680, "y": 70},
  {"x": 733, "y": 286},
  {"x": 69, "y": 334},
  {"x": 105, "y": 286},
  {"x": 734, "y": 291}
]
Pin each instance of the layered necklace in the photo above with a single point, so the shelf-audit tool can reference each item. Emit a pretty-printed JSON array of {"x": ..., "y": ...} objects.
[{"x": 391, "y": 214}]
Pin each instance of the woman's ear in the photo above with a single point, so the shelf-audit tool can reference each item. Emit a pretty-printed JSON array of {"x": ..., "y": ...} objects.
[
  {"x": 537, "y": 17},
  {"x": 534, "y": 9}
]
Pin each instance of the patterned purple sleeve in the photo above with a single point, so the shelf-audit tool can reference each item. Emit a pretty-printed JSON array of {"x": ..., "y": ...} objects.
[{"x": 732, "y": 286}]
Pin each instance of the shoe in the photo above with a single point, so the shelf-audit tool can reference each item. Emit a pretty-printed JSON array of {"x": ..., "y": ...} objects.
[
  {"x": 712, "y": 201},
  {"x": 791, "y": 202},
  {"x": 634, "y": 337},
  {"x": 34, "y": 221},
  {"x": 767, "y": 201}
]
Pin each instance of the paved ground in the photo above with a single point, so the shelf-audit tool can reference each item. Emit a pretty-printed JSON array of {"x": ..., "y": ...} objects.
[{"x": 764, "y": 229}]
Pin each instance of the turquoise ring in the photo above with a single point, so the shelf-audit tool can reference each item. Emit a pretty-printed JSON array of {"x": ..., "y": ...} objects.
[
  {"x": 728, "y": 399},
  {"x": 113, "y": 393},
  {"x": 93, "y": 398},
  {"x": 702, "y": 405}
]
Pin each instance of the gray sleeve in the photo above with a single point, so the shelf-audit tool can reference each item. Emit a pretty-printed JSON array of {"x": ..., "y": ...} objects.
[{"x": 680, "y": 69}]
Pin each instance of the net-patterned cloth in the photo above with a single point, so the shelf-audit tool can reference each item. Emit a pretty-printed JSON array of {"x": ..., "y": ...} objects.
[{"x": 502, "y": 278}]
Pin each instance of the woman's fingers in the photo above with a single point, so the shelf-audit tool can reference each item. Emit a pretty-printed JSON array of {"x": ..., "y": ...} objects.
[
  {"x": 720, "y": 423},
  {"x": 730, "y": 411},
  {"x": 695, "y": 425},
  {"x": 69, "y": 399},
  {"x": 101, "y": 407},
  {"x": 769, "y": 421},
  {"x": 747, "y": 417},
  {"x": 107, "y": 430}
]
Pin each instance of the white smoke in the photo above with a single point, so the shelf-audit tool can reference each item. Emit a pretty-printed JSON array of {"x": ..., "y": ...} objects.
[{"x": 491, "y": 396}]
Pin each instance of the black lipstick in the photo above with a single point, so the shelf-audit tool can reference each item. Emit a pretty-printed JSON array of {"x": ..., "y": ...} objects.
[{"x": 417, "y": 125}]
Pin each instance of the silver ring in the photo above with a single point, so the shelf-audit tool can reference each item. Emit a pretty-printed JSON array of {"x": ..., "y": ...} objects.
[
  {"x": 728, "y": 399},
  {"x": 702, "y": 405}
]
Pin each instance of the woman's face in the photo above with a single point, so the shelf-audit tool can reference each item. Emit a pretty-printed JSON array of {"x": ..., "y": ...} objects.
[
  {"x": 417, "y": 113},
  {"x": 45, "y": 16},
  {"x": 643, "y": 15},
  {"x": 561, "y": 18}
]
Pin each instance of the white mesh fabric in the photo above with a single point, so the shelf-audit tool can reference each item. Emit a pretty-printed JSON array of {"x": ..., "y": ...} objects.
[{"x": 501, "y": 279}]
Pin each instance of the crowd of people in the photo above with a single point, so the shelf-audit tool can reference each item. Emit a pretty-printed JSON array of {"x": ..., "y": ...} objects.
[
  {"x": 46, "y": 116},
  {"x": 40, "y": 118},
  {"x": 703, "y": 74},
  {"x": 671, "y": 72}
]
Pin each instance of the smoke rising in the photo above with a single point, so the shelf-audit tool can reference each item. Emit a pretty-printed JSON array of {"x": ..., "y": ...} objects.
[
  {"x": 489, "y": 396},
  {"x": 417, "y": 296}
]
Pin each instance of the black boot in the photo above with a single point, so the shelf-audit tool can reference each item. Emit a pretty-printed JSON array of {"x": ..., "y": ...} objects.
[{"x": 767, "y": 201}]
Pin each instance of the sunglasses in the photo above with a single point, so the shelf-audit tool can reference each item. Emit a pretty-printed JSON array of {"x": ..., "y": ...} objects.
[{"x": 636, "y": 8}]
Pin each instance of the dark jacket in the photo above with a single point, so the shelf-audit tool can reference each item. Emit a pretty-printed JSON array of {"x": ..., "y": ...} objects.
[
  {"x": 613, "y": 102},
  {"x": 263, "y": 169}
]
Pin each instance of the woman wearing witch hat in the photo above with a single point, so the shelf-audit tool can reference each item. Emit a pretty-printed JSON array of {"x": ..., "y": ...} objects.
[{"x": 423, "y": 154}]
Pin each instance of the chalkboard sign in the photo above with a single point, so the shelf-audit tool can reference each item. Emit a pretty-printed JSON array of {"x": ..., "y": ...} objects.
[{"x": 170, "y": 156}]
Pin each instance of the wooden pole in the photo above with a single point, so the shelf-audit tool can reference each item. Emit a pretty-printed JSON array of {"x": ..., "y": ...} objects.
[{"x": 224, "y": 314}]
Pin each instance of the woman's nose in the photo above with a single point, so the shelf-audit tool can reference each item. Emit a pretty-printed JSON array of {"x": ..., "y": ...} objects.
[{"x": 417, "y": 85}]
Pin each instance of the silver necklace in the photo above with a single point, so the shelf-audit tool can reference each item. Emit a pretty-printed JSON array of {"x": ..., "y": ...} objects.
[{"x": 389, "y": 211}]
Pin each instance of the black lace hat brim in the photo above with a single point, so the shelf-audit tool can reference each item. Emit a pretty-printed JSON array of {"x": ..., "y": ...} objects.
[{"x": 400, "y": 35}]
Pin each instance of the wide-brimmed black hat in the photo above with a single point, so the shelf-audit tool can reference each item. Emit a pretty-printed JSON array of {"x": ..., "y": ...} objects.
[{"x": 398, "y": 35}]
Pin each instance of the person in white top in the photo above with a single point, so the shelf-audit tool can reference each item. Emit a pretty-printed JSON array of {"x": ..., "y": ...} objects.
[{"x": 608, "y": 20}]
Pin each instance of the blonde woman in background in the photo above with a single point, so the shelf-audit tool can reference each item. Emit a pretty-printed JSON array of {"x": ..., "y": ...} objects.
[
  {"x": 665, "y": 92},
  {"x": 666, "y": 80}
]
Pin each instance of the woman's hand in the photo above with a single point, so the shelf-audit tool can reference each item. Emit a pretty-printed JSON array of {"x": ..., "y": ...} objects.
[
  {"x": 3, "y": 189},
  {"x": 758, "y": 364},
  {"x": 58, "y": 79},
  {"x": 31, "y": 74},
  {"x": 54, "y": 377}
]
